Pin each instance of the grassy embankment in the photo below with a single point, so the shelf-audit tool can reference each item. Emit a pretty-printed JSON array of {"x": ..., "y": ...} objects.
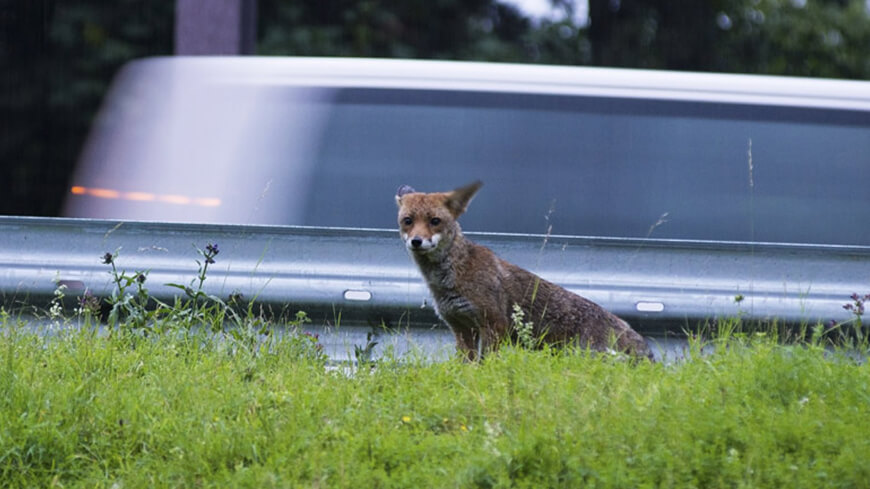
[
  {"x": 153, "y": 404},
  {"x": 85, "y": 410}
]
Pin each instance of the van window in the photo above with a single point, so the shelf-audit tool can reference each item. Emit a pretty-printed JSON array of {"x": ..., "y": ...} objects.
[{"x": 599, "y": 167}]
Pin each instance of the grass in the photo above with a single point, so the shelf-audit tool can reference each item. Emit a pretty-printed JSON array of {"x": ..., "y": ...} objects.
[{"x": 79, "y": 409}]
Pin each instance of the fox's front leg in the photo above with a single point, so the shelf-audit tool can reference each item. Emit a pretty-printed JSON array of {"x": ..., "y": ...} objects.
[
  {"x": 491, "y": 336},
  {"x": 467, "y": 343}
]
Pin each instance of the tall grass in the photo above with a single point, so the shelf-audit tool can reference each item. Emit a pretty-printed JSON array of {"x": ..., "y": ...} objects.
[{"x": 80, "y": 409}]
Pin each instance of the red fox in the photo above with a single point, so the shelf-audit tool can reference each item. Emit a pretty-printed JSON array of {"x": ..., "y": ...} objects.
[{"x": 475, "y": 291}]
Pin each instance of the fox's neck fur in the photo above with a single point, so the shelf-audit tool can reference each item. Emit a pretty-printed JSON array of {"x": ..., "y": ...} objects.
[
  {"x": 442, "y": 269},
  {"x": 439, "y": 265}
]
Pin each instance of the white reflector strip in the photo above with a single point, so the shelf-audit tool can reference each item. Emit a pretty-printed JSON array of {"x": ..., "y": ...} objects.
[
  {"x": 357, "y": 295},
  {"x": 650, "y": 306}
]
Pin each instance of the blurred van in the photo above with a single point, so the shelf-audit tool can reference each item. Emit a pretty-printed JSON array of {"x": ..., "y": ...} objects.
[{"x": 565, "y": 150}]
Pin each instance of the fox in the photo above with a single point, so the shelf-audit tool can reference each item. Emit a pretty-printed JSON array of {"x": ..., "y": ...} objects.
[{"x": 475, "y": 291}]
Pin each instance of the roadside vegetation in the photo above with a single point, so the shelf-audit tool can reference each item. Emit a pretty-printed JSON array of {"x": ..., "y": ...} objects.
[{"x": 219, "y": 401}]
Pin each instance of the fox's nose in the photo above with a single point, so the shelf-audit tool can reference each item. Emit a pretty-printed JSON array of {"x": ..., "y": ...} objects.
[{"x": 416, "y": 242}]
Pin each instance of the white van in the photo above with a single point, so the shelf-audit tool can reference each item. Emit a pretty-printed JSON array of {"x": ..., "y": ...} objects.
[{"x": 569, "y": 150}]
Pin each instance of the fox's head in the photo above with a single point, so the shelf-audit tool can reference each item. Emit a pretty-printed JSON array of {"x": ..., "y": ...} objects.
[{"x": 428, "y": 220}]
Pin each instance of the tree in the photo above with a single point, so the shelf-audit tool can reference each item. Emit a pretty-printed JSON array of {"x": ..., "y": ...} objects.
[
  {"x": 444, "y": 29},
  {"x": 57, "y": 61},
  {"x": 789, "y": 37},
  {"x": 821, "y": 38}
]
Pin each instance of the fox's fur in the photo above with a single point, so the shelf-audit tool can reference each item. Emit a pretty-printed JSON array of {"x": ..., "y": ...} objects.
[{"x": 475, "y": 291}]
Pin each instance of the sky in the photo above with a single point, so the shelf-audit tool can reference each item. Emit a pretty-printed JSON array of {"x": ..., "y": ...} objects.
[{"x": 543, "y": 9}]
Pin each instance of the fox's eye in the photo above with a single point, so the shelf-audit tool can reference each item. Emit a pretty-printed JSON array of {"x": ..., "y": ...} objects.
[
  {"x": 407, "y": 221},
  {"x": 435, "y": 221}
]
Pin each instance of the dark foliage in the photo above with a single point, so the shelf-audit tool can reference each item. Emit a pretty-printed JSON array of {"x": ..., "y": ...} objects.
[{"x": 57, "y": 59}]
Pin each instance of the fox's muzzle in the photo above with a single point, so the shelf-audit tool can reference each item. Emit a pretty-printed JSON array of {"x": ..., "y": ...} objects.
[{"x": 419, "y": 244}]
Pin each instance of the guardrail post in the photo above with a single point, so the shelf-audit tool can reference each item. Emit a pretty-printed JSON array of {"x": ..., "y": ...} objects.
[{"x": 215, "y": 27}]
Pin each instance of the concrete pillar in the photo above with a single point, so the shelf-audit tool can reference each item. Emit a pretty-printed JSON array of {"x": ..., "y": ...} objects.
[{"x": 215, "y": 27}]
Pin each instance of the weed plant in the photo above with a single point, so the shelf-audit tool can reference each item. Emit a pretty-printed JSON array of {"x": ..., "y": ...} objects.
[{"x": 134, "y": 408}]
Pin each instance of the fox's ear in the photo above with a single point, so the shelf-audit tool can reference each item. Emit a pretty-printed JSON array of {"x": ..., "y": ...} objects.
[
  {"x": 458, "y": 200},
  {"x": 404, "y": 189}
]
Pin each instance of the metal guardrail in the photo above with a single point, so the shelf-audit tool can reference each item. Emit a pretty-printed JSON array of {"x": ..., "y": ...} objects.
[{"x": 365, "y": 275}]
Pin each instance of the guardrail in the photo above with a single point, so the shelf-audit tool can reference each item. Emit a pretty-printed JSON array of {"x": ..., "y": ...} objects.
[{"x": 365, "y": 275}]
